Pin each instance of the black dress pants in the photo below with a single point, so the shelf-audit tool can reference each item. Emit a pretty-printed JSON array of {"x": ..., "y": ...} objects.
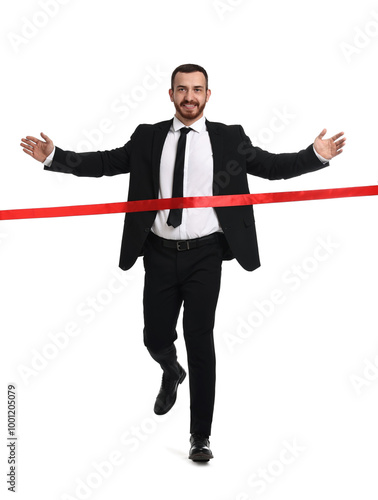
[{"x": 190, "y": 278}]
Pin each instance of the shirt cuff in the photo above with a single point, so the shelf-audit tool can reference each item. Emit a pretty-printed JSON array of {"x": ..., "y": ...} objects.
[
  {"x": 323, "y": 160},
  {"x": 49, "y": 159}
]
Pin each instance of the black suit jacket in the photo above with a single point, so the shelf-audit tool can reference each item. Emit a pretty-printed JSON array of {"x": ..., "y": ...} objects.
[{"x": 234, "y": 157}]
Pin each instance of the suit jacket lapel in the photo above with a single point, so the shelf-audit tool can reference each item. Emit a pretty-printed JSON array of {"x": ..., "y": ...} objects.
[
  {"x": 160, "y": 135},
  {"x": 216, "y": 145}
]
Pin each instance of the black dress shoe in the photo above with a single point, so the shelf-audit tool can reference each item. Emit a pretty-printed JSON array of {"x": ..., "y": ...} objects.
[
  {"x": 168, "y": 392},
  {"x": 199, "y": 450}
]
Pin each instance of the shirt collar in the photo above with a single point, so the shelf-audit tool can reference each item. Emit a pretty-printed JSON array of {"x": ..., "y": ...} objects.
[{"x": 196, "y": 126}]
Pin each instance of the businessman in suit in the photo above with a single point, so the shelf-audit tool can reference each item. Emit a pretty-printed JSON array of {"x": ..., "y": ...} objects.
[{"x": 183, "y": 249}]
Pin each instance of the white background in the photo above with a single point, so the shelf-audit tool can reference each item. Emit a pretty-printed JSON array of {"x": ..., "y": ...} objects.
[{"x": 288, "y": 380}]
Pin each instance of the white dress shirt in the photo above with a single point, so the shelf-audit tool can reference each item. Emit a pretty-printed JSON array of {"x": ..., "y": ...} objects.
[{"x": 198, "y": 181}]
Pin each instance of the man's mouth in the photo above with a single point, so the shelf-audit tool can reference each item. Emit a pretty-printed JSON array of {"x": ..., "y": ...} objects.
[{"x": 189, "y": 106}]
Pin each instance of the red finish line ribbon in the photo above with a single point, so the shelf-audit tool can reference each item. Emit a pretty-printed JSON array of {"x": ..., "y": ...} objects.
[{"x": 189, "y": 202}]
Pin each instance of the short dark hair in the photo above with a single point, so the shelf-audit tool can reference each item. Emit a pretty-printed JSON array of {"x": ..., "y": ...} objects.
[{"x": 189, "y": 68}]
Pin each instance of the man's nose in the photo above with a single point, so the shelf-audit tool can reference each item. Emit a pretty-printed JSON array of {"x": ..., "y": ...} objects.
[{"x": 189, "y": 95}]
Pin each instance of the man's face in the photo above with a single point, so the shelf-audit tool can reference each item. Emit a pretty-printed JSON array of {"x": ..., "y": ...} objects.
[{"x": 189, "y": 96}]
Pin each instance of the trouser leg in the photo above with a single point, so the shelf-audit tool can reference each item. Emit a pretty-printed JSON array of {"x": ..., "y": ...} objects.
[
  {"x": 200, "y": 293},
  {"x": 167, "y": 359},
  {"x": 161, "y": 305}
]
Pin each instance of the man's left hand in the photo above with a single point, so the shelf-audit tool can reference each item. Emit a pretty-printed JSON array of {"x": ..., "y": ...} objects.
[{"x": 329, "y": 148}]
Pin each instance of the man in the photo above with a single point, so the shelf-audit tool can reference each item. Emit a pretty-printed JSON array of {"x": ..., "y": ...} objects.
[{"x": 183, "y": 249}]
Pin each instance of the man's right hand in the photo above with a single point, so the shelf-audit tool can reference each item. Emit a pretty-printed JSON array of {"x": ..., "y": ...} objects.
[{"x": 36, "y": 148}]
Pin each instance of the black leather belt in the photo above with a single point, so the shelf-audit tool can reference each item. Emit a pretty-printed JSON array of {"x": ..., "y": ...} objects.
[{"x": 182, "y": 245}]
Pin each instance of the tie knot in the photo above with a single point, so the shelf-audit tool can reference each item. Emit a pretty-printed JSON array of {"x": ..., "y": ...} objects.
[{"x": 185, "y": 130}]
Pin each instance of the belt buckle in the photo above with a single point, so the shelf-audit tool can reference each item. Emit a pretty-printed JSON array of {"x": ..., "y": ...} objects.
[{"x": 181, "y": 248}]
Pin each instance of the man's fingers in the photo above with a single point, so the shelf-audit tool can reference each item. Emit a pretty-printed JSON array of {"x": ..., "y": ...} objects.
[
  {"x": 322, "y": 133},
  {"x": 27, "y": 142},
  {"x": 337, "y": 136},
  {"x": 28, "y": 152},
  {"x": 33, "y": 139},
  {"x": 26, "y": 146},
  {"x": 45, "y": 137},
  {"x": 334, "y": 138},
  {"x": 340, "y": 145}
]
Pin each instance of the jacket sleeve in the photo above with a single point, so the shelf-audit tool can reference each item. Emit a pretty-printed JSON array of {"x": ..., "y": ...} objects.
[
  {"x": 93, "y": 164},
  {"x": 279, "y": 166}
]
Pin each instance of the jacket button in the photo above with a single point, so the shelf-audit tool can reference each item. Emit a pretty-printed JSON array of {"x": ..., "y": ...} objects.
[{"x": 146, "y": 229}]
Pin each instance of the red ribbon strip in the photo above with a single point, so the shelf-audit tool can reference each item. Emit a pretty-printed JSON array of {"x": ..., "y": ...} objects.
[{"x": 190, "y": 202}]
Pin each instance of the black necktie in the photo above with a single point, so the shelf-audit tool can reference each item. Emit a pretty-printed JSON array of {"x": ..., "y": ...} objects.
[{"x": 175, "y": 214}]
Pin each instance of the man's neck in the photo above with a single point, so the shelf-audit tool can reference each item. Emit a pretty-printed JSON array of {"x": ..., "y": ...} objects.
[{"x": 188, "y": 122}]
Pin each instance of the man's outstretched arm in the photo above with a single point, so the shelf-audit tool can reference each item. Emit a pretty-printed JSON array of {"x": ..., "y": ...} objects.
[
  {"x": 287, "y": 165},
  {"x": 93, "y": 164}
]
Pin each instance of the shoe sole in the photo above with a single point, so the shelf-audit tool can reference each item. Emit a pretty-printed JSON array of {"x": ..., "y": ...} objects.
[
  {"x": 200, "y": 457},
  {"x": 180, "y": 381}
]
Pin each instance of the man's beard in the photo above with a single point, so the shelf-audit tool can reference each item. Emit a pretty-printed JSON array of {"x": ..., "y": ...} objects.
[{"x": 190, "y": 114}]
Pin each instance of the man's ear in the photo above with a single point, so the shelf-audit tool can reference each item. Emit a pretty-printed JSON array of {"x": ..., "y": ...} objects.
[
  {"x": 208, "y": 94},
  {"x": 171, "y": 94}
]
